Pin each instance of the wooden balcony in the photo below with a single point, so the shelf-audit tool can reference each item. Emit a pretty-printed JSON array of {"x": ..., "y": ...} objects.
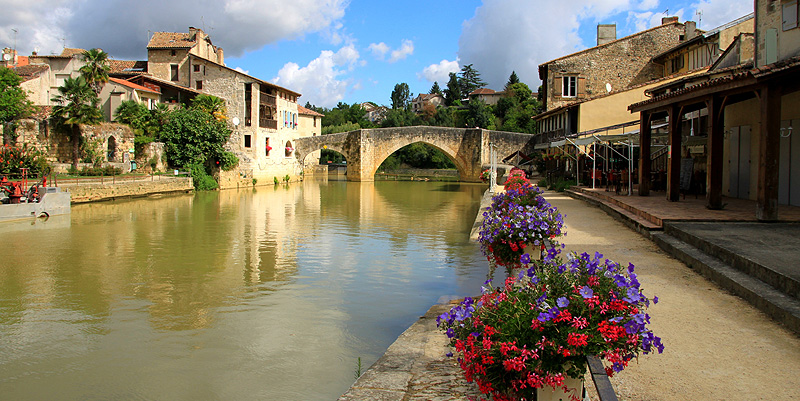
[
  {"x": 267, "y": 123},
  {"x": 268, "y": 100}
]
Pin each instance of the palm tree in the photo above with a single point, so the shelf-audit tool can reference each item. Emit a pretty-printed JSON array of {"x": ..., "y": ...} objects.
[
  {"x": 96, "y": 69},
  {"x": 210, "y": 104},
  {"x": 76, "y": 104}
]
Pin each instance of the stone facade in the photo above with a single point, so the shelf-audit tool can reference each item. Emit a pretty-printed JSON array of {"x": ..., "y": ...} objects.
[
  {"x": 621, "y": 63},
  {"x": 775, "y": 40},
  {"x": 99, "y": 192},
  {"x": 111, "y": 142}
]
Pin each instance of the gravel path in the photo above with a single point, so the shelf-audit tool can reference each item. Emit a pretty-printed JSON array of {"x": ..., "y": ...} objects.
[{"x": 718, "y": 347}]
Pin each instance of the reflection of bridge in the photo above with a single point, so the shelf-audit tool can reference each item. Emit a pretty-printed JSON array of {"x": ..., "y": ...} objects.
[{"x": 366, "y": 149}]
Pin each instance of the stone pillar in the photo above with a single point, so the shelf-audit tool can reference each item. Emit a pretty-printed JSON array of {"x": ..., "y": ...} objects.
[
  {"x": 674, "y": 164},
  {"x": 645, "y": 136},
  {"x": 716, "y": 132},
  {"x": 768, "y": 153}
]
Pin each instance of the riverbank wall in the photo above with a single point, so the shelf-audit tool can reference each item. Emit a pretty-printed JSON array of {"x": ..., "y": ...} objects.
[{"x": 97, "y": 191}]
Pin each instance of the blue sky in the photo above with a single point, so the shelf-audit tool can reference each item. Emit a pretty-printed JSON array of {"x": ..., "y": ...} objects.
[{"x": 353, "y": 51}]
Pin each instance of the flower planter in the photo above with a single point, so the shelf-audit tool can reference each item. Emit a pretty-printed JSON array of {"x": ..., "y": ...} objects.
[{"x": 547, "y": 393}]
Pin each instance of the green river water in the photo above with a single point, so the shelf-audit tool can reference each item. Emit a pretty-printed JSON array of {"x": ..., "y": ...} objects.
[{"x": 257, "y": 294}]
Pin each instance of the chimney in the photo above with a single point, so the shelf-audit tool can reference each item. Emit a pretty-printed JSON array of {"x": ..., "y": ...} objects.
[
  {"x": 669, "y": 20},
  {"x": 606, "y": 33},
  {"x": 690, "y": 30},
  {"x": 220, "y": 56}
]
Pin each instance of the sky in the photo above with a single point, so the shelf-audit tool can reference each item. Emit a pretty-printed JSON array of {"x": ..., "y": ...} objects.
[{"x": 353, "y": 51}]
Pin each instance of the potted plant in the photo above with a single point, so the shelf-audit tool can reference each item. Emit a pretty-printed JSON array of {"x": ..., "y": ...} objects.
[
  {"x": 531, "y": 336},
  {"x": 486, "y": 175},
  {"x": 517, "y": 219}
]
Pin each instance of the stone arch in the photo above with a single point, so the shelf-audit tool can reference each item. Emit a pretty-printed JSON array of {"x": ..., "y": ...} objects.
[
  {"x": 399, "y": 144},
  {"x": 315, "y": 152},
  {"x": 111, "y": 149}
]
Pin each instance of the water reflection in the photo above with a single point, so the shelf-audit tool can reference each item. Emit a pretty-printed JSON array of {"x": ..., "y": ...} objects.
[{"x": 267, "y": 293}]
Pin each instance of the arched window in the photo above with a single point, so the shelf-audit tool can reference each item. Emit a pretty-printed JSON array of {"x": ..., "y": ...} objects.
[
  {"x": 289, "y": 149},
  {"x": 112, "y": 149},
  {"x": 267, "y": 147}
]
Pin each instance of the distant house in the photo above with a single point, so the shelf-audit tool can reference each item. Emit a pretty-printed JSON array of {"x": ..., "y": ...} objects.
[
  {"x": 375, "y": 114},
  {"x": 486, "y": 95},
  {"x": 419, "y": 102},
  {"x": 116, "y": 91},
  {"x": 57, "y": 68}
]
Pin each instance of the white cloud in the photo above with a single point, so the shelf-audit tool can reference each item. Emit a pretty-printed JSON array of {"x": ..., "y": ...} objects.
[
  {"x": 321, "y": 81},
  {"x": 242, "y": 70},
  {"x": 123, "y": 27},
  {"x": 439, "y": 72},
  {"x": 719, "y": 12},
  {"x": 379, "y": 50},
  {"x": 406, "y": 49}
]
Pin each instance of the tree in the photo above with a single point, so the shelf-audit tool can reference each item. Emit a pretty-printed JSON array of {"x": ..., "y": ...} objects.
[
  {"x": 14, "y": 103},
  {"x": 76, "y": 104},
  {"x": 401, "y": 96},
  {"x": 133, "y": 114},
  {"x": 210, "y": 104},
  {"x": 478, "y": 115},
  {"x": 470, "y": 80},
  {"x": 96, "y": 69},
  {"x": 453, "y": 92},
  {"x": 512, "y": 79},
  {"x": 435, "y": 89}
]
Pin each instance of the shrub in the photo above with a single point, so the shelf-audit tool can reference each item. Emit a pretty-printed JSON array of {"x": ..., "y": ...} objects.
[
  {"x": 202, "y": 181},
  {"x": 14, "y": 158}
]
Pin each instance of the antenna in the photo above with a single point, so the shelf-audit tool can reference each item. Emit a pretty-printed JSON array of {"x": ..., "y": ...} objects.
[
  {"x": 699, "y": 14},
  {"x": 666, "y": 12},
  {"x": 15, "y": 46},
  {"x": 64, "y": 41}
]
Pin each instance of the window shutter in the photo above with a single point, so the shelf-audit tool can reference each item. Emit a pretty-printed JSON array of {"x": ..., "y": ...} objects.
[
  {"x": 559, "y": 88},
  {"x": 581, "y": 87}
]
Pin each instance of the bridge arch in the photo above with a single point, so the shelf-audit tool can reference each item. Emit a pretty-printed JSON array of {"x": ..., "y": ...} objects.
[{"x": 379, "y": 158}]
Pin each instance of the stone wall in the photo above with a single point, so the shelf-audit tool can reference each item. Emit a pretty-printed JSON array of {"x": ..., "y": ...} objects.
[
  {"x": 621, "y": 63},
  {"x": 57, "y": 146},
  {"x": 98, "y": 192}
]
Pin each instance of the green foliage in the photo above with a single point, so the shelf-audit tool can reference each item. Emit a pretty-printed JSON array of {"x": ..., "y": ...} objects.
[
  {"x": 202, "y": 180},
  {"x": 15, "y": 158},
  {"x": 517, "y": 108},
  {"x": 255, "y": 181},
  {"x": 14, "y": 103},
  {"x": 275, "y": 180},
  {"x": 333, "y": 156},
  {"x": 469, "y": 80},
  {"x": 134, "y": 114},
  {"x": 444, "y": 117},
  {"x": 95, "y": 171},
  {"x": 343, "y": 115},
  {"x": 76, "y": 103},
  {"x": 453, "y": 92},
  {"x": 417, "y": 155},
  {"x": 334, "y": 129},
  {"x": 194, "y": 137},
  {"x": 401, "y": 118},
  {"x": 478, "y": 115},
  {"x": 512, "y": 79},
  {"x": 96, "y": 69},
  {"x": 286, "y": 178},
  {"x": 401, "y": 96},
  {"x": 228, "y": 161},
  {"x": 92, "y": 151},
  {"x": 210, "y": 104},
  {"x": 435, "y": 89}
]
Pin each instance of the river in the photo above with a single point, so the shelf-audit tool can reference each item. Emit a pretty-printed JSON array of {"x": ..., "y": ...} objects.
[{"x": 270, "y": 293}]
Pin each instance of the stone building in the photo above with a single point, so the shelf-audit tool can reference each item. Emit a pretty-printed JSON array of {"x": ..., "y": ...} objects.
[
  {"x": 488, "y": 96},
  {"x": 419, "y": 102},
  {"x": 44, "y": 86}
]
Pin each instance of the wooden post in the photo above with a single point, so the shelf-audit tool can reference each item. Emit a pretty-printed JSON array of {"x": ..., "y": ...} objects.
[
  {"x": 644, "y": 153},
  {"x": 674, "y": 164},
  {"x": 716, "y": 133},
  {"x": 768, "y": 153}
]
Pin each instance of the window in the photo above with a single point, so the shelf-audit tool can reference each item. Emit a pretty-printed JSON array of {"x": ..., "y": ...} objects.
[
  {"x": 173, "y": 53},
  {"x": 248, "y": 106},
  {"x": 677, "y": 63},
  {"x": 289, "y": 149},
  {"x": 173, "y": 69},
  {"x": 197, "y": 68},
  {"x": 247, "y": 141},
  {"x": 199, "y": 85},
  {"x": 315, "y": 121},
  {"x": 569, "y": 87},
  {"x": 790, "y": 15}
]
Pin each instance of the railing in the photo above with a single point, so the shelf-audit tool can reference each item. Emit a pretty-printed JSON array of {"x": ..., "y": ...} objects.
[
  {"x": 115, "y": 179},
  {"x": 268, "y": 100},
  {"x": 267, "y": 123},
  {"x": 605, "y": 391},
  {"x": 551, "y": 136}
]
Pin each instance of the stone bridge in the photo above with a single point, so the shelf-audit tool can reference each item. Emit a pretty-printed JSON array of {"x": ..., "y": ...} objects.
[{"x": 366, "y": 149}]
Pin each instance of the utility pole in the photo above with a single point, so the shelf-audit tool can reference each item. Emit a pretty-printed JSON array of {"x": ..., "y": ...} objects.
[{"x": 14, "y": 59}]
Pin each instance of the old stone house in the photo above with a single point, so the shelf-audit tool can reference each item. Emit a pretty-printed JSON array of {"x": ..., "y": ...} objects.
[
  {"x": 418, "y": 103},
  {"x": 486, "y": 95},
  {"x": 116, "y": 91}
]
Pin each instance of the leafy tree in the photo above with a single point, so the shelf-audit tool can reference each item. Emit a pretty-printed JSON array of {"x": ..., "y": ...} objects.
[
  {"x": 14, "y": 103},
  {"x": 444, "y": 117},
  {"x": 211, "y": 105},
  {"x": 435, "y": 89},
  {"x": 401, "y": 118},
  {"x": 478, "y": 115},
  {"x": 512, "y": 79},
  {"x": 76, "y": 104},
  {"x": 96, "y": 69},
  {"x": 133, "y": 114},
  {"x": 192, "y": 136},
  {"x": 470, "y": 79},
  {"x": 343, "y": 115},
  {"x": 453, "y": 92},
  {"x": 517, "y": 108},
  {"x": 401, "y": 96}
]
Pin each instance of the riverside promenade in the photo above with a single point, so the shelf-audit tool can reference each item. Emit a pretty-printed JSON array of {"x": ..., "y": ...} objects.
[{"x": 718, "y": 345}]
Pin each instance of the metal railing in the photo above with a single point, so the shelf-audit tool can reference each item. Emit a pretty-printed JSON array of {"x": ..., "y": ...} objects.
[{"x": 115, "y": 179}]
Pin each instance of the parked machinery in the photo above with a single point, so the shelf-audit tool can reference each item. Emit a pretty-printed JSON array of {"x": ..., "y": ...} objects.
[{"x": 13, "y": 190}]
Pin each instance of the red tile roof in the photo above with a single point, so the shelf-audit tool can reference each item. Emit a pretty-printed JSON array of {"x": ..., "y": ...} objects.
[
  {"x": 308, "y": 112},
  {"x": 127, "y": 67},
  {"x": 483, "y": 91},
  {"x": 171, "y": 40},
  {"x": 131, "y": 85},
  {"x": 28, "y": 72}
]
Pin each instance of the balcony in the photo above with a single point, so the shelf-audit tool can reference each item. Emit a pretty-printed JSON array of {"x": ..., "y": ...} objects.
[
  {"x": 264, "y": 122},
  {"x": 268, "y": 100}
]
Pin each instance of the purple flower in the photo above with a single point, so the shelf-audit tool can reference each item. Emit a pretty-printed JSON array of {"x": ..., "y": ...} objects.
[
  {"x": 586, "y": 292},
  {"x": 562, "y": 302},
  {"x": 525, "y": 259}
]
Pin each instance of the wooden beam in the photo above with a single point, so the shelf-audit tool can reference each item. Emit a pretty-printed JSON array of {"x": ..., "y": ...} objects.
[
  {"x": 645, "y": 136},
  {"x": 768, "y": 153},
  {"x": 674, "y": 163},
  {"x": 716, "y": 132}
]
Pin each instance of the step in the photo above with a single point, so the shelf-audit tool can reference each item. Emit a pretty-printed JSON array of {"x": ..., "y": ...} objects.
[
  {"x": 632, "y": 220},
  {"x": 776, "y": 304},
  {"x": 788, "y": 285}
]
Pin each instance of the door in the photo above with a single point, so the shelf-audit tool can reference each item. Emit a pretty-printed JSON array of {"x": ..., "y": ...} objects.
[
  {"x": 789, "y": 164},
  {"x": 739, "y": 162}
]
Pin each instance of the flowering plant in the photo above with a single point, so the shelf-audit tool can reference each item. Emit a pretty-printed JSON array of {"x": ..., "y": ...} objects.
[
  {"x": 515, "y": 219},
  {"x": 516, "y": 179},
  {"x": 485, "y": 175},
  {"x": 538, "y": 328},
  {"x": 14, "y": 158}
]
